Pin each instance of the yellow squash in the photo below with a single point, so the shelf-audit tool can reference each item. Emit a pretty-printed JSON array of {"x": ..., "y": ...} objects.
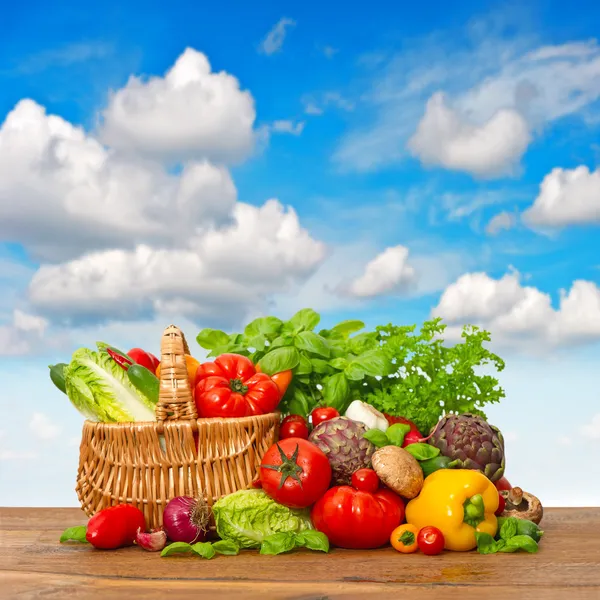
[{"x": 458, "y": 502}]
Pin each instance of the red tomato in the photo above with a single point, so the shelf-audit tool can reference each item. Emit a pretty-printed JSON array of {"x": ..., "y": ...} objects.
[
  {"x": 503, "y": 485},
  {"x": 295, "y": 473},
  {"x": 501, "y": 505},
  {"x": 352, "y": 518},
  {"x": 431, "y": 540},
  {"x": 393, "y": 420},
  {"x": 115, "y": 526},
  {"x": 143, "y": 358},
  {"x": 291, "y": 429},
  {"x": 318, "y": 415},
  {"x": 365, "y": 480},
  {"x": 293, "y": 418},
  {"x": 230, "y": 387}
]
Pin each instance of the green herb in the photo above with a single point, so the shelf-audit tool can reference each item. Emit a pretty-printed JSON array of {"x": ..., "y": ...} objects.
[
  {"x": 285, "y": 541},
  {"x": 396, "y": 370},
  {"x": 508, "y": 528},
  {"x": 524, "y": 527},
  {"x": 422, "y": 451},
  {"x": 176, "y": 548},
  {"x": 75, "y": 534},
  {"x": 313, "y": 540},
  {"x": 396, "y": 433},
  {"x": 377, "y": 437},
  {"x": 227, "y": 547},
  {"x": 510, "y": 540},
  {"x": 486, "y": 544},
  {"x": 204, "y": 549}
]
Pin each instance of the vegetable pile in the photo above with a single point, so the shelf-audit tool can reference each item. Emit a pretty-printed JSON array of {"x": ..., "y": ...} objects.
[{"x": 383, "y": 442}]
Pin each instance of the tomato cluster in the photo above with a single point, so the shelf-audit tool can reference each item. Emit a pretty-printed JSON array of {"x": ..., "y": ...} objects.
[{"x": 297, "y": 426}]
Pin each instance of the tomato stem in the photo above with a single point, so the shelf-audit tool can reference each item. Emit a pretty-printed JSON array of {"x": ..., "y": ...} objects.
[
  {"x": 237, "y": 385},
  {"x": 288, "y": 467},
  {"x": 474, "y": 510}
]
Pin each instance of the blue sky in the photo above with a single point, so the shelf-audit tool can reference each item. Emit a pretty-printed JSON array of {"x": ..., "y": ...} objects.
[{"x": 203, "y": 166}]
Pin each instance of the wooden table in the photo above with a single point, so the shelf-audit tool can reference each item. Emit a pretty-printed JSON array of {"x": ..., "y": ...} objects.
[{"x": 34, "y": 565}]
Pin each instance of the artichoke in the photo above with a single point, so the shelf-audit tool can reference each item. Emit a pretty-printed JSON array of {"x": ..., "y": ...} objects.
[
  {"x": 473, "y": 442},
  {"x": 342, "y": 441}
]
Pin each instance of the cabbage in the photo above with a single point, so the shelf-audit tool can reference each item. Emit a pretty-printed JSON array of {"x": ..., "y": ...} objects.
[
  {"x": 249, "y": 516},
  {"x": 100, "y": 389}
]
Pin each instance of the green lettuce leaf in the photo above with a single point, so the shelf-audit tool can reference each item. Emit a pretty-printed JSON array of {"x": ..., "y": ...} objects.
[
  {"x": 101, "y": 391},
  {"x": 249, "y": 516}
]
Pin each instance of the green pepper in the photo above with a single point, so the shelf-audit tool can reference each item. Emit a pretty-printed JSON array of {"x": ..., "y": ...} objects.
[
  {"x": 145, "y": 381},
  {"x": 434, "y": 464},
  {"x": 524, "y": 527},
  {"x": 57, "y": 374}
]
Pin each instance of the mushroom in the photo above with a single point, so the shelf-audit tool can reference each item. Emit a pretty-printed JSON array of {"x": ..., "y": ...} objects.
[{"x": 522, "y": 505}]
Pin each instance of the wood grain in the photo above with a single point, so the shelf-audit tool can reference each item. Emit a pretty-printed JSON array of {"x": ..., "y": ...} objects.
[{"x": 33, "y": 565}]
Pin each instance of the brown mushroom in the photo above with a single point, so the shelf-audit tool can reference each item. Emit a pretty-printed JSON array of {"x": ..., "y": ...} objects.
[{"x": 522, "y": 505}]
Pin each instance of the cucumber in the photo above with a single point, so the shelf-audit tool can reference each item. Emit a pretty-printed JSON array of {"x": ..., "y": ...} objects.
[{"x": 144, "y": 381}]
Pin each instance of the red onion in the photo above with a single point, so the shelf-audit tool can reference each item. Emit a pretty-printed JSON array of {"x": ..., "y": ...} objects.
[{"x": 185, "y": 519}]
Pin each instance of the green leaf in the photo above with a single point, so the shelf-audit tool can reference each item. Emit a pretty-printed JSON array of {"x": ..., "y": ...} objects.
[
  {"x": 508, "y": 528},
  {"x": 362, "y": 342},
  {"x": 354, "y": 372},
  {"x": 277, "y": 543},
  {"x": 227, "y": 547},
  {"x": 176, "y": 548},
  {"x": 523, "y": 542},
  {"x": 299, "y": 403},
  {"x": 319, "y": 366},
  {"x": 305, "y": 320},
  {"x": 377, "y": 437},
  {"x": 210, "y": 339},
  {"x": 345, "y": 328},
  {"x": 263, "y": 327},
  {"x": 486, "y": 544},
  {"x": 76, "y": 534},
  {"x": 282, "y": 340},
  {"x": 422, "y": 451},
  {"x": 304, "y": 367},
  {"x": 204, "y": 549},
  {"x": 280, "y": 359},
  {"x": 373, "y": 362},
  {"x": 339, "y": 363},
  {"x": 336, "y": 392},
  {"x": 257, "y": 342},
  {"x": 397, "y": 432},
  {"x": 312, "y": 342},
  {"x": 313, "y": 540}
]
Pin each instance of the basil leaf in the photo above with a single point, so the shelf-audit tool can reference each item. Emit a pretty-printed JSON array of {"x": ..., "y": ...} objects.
[
  {"x": 397, "y": 432},
  {"x": 299, "y": 403},
  {"x": 76, "y": 534},
  {"x": 304, "y": 366},
  {"x": 339, "y": 363},
  {"x": 263, "y": 327},
  {"x": 313, "y": 540},
  {"x": 354, "y": 372},
  {"x": 204, "y": 549},
  {"x": 374, "y": 362},
  {"x": 257, "y": 342},
  {"x": 523, "y": 542},
  {"x": 508, "y": 528},
  {"x": 422, "y": 451},
  {"x": 176, "y": 548},
  {"x": 312, "y": 342},
  {"x": 210, "y": 339},
  {"x": 280, "y": 359},
  {"x": 306, "y": 319},
  {"x": 362, "y": 342},
  {"x": 336, "y": 391},
  {"x": 319, "y": 365},
  {"x": 277, "y": 543},
  {"x": 377, "y": 437},
  {"x": 227, "y": 547},
  {"x": 486, "y": 544},
  {"x": 345, "y": 328}
]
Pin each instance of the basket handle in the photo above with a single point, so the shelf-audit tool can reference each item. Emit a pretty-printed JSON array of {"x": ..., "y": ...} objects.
[{"x": 175, "y": 400}]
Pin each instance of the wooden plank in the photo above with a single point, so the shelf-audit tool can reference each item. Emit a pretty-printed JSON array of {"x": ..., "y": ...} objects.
[{"x": 33, "y": 563}]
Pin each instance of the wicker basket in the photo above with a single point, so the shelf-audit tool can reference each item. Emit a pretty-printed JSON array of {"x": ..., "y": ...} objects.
[{"x": 148, "y": 463}]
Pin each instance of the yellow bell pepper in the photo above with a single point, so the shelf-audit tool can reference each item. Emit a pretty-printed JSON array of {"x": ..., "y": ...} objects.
[{"x": 458, "y": 502}]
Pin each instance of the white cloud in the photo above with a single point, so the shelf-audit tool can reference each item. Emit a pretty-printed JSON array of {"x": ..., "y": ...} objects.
[
  {"x": 220, "y": 274},
  {"x": 499, "y": 222},
  {"x": 522, "y": 316},
  {"x": 64, "y": 57},
  {"x": 387, "y": 273},
  {"x": 565, "y": 440},
  {"x": 316, "y": 104},
  {"x": 592, "y": 429},
  {"x": 566, "y": 197},
  {"x": 42, "y": 427},
  {"x": 61, "y": 192},
  {"x": 273, "y": 41},
  {"x": 287, "y": 126},
  {"x": 445, "y": 138},
  {"x": 190, "y": 113},
  {"x": 23, "y": 335},
  {"x": 329, "y": 51}
]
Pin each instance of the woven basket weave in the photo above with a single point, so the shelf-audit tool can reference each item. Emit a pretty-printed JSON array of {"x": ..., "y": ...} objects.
[{"x": 126, "y": 462}]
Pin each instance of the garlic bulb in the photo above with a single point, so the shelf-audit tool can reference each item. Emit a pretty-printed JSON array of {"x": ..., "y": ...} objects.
[{"x": 366, "y": 414}]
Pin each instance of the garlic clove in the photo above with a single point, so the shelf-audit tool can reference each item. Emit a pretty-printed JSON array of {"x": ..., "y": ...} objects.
[
  {"x": 367, "y": 415},
  {"x": 153, "y": 541}
]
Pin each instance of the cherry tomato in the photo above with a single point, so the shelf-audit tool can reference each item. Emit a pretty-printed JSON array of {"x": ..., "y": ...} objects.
[
  {"x": 365, "y": 480},
  {"x": 501, "y": 505},
  {"x": 295, "y": 472},
  {"x": 503, "y": 485},
  {"x": 294, "y": 429},
  {"x": 431, "y": 540},
  {"x": 404, "y": 538},
  {"x": 293, "y": 418},
  {"x": 318, "y": 415}
]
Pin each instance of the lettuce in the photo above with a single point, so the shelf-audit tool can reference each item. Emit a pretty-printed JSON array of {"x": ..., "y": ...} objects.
[
  {"x": 249, "y": 516},
  {"x": 101, "y": 391}
]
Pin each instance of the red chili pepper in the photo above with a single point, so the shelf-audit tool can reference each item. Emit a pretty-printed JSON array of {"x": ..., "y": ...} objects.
[
  {"x": 115, "y": 527},
  {"x": 120, "y": 359}
]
